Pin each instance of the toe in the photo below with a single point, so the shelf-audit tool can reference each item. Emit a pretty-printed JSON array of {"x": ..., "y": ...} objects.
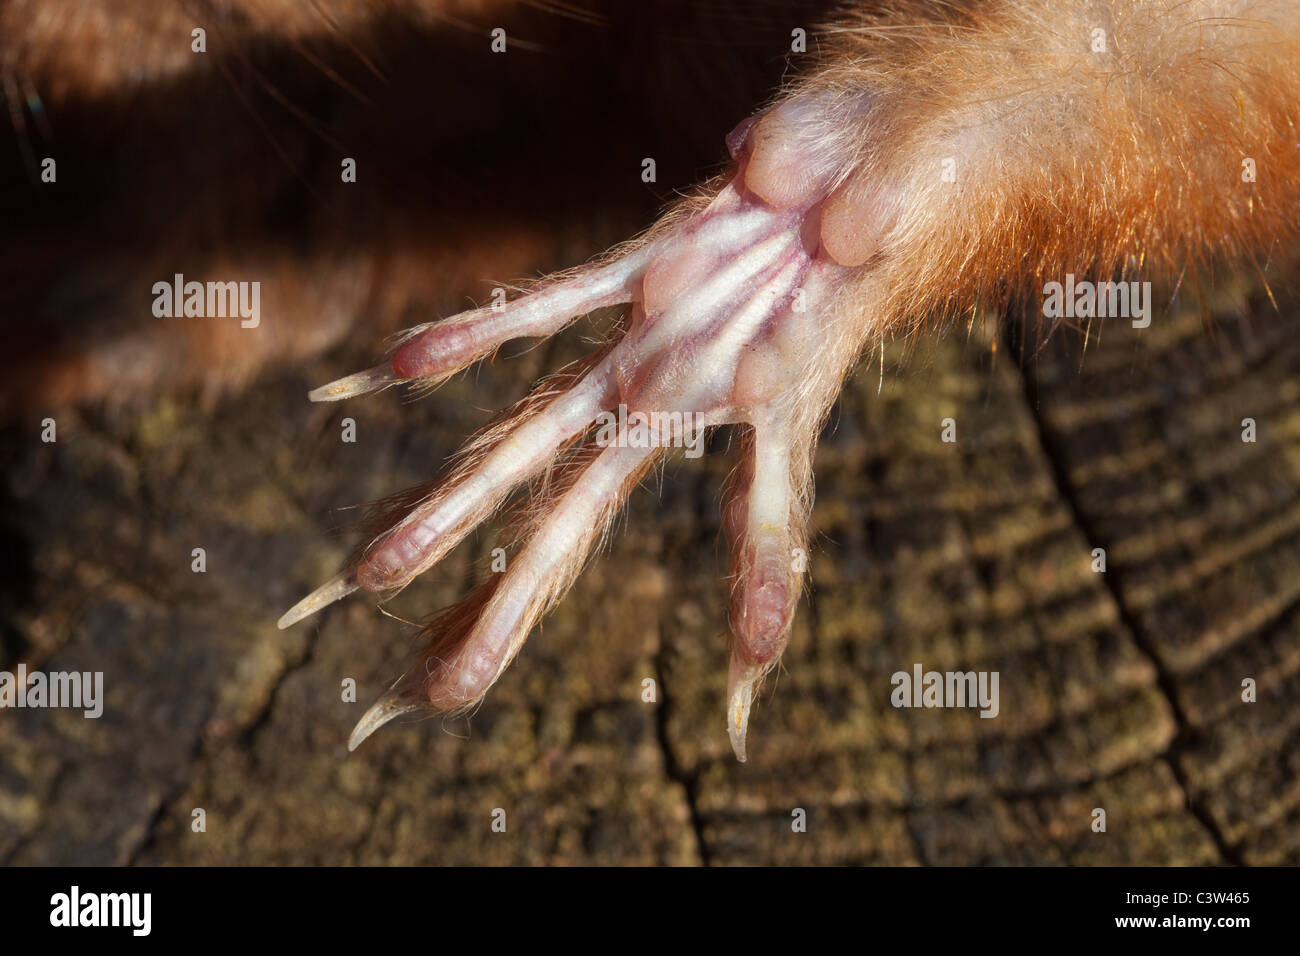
[{"x": 766, "y": 512}]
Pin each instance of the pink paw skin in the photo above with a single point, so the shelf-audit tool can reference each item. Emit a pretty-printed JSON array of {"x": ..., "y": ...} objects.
[
  {"x": 889, "y": 189},
  {"x": 729, "y": 303}
]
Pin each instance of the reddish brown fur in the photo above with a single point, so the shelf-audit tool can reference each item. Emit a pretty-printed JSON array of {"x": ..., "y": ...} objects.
[{"x": 1143, "y": 178}]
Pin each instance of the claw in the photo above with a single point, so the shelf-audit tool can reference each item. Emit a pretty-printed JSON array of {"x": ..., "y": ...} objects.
[
  {"x": 337, "y": 587},
  {"x": 395, "y": 702},
  {"x": 358, "y": 383},
  {"x": 742, "y": 686}
]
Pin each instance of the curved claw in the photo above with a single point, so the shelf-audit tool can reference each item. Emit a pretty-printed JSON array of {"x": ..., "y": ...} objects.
[
  {"x": 742, "y": 687},
  {"x": 336, "y": 588},
  {"x": 358, "y": 383},
  {"x": 395, "y": 702}
]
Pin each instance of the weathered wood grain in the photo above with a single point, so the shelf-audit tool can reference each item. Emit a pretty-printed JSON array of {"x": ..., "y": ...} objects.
[{"x": 1119, "y": 691}]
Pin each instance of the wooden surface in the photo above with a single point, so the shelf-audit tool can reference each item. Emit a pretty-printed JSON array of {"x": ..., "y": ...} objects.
[{"x": 1119, "y": 691}]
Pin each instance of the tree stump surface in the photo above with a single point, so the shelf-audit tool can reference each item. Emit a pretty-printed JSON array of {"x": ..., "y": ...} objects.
[{"x": 1119, "y": 690}]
